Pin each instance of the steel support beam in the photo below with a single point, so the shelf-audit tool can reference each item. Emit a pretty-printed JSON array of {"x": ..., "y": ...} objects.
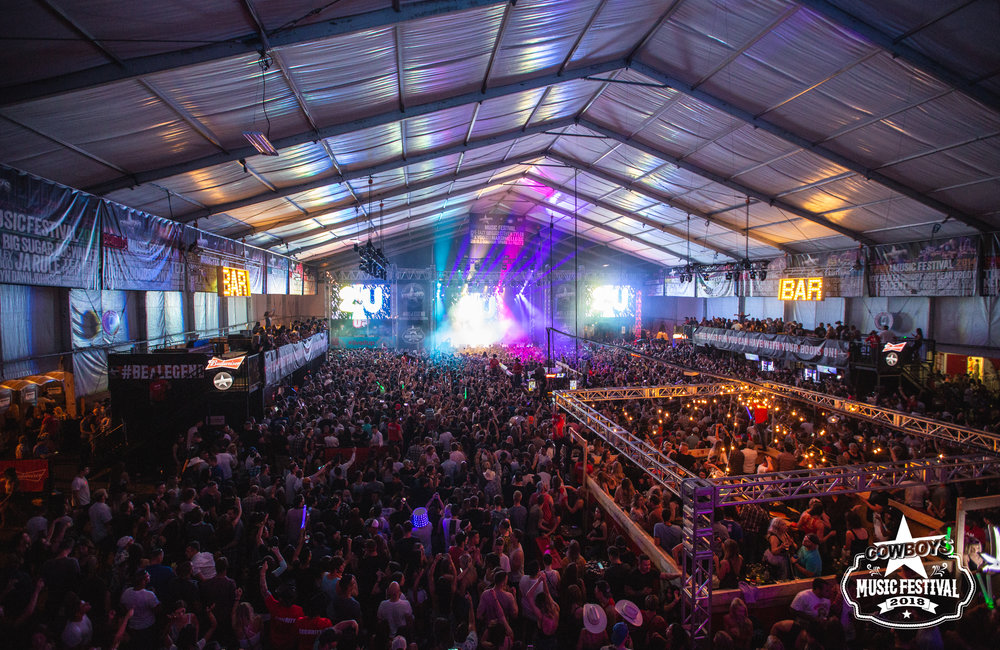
[
  {"x": 394, "y": 194},
  {"x": 652, "y": 223},
  {"x": 389, "y": 166},
  {"x": 353, "y": 126},
  {"x": 800, "y": 141},
  {"x": 654, "y": 195},
  {"x": 601, "y": 226},
  {"x": 249, "y": 43},
  {"x": 725, "y": 182},
  {"x": 899, "y": 50}
]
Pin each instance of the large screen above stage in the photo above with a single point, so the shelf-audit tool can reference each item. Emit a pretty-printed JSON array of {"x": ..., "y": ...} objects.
[
  {"x": 361, "y": 302},
  {"x": 610, "y": 301}
]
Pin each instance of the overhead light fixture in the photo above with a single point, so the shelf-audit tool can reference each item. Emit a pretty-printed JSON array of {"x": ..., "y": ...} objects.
[
  {"x": 260, "y": 142},
  {"x": 257, "y": 139}
]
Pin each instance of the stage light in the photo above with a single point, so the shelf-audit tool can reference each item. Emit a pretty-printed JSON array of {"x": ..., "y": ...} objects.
[
  {"x": 763, "y": 275},
  {"x": 729, "y": 275}
]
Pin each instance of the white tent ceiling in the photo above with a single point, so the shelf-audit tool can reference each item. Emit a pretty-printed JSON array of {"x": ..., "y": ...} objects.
[{"x": 843, "y": 121}]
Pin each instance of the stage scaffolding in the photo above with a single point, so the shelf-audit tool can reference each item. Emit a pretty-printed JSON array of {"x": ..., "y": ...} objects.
[{"x": 701, "y": 498}]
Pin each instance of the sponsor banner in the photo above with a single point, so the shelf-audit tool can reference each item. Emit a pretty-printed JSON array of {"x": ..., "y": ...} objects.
[
  {"x": 496, "y": 229},
  {"x": 147, "y": 252},
  {"x": 205, "y": 254},
  {"x": 991, "y": 264},
  {"x": 714, "y": 285},
  {"x": 945, "y": 267},
  {"x": 295, "y": 278},
  {"x": 282, "y": 362},
  {"x": 31, "y": 474},
  {"x": 255, "y": 269},
  {"x": 653, "y": 288},
  {"x": 232, "y": 364},
  {"x": 356, "y": 342},
  {"x": 413, "y": 303},
  {"x": 935, "y": 587},
  {"x": 310, "y": 280},
  {"x": 48, "y": 233},
  {"x": 775, "y": 346},
  {"x": 277, "y": 274}
]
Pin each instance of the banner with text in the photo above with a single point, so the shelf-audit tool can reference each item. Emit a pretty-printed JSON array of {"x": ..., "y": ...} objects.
[
  {"x": 141, "y": 251},
  {"x": 991, "y": 265},
  {"x": 775, "y": 346},
  {"x": 945, "y": 267},
  {"x": 48, "y": 233},
  {"x": 497, "y": 229}
]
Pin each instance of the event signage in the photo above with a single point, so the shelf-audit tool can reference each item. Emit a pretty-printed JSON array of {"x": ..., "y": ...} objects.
[
  {"x": 231, "y": 364},
  {"x": 889, "y": 583},
  {"x": 827, "y": 352},
  {"x": 805, "y": 289},
  {"x": 233, "y": 282},
  {"x": 944, "y": 267},
  {"x": 151, "y": 371},
  {"x": 496, "y": 230},
  {"x": 48, "y": 233}
]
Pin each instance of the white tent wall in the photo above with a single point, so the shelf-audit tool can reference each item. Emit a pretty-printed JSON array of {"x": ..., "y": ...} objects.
[
  {"x": 670, "y": 310},
  {"x": 811, "y": 314},
  {"x": 763, "y": 307},
  {"x": 967, "y": 321},
  {"x": 33, "y": 322},
  {"x": 722, "y": 307}
]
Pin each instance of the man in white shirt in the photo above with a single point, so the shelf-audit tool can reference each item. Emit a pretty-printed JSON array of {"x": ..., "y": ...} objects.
[
  {"x": 100, "y": 516},
  {"x": 813, "y": 604},
  {"x": 749, "y": 458},
  {"x": 395, "y": 610},
  {"x": 202, "y": 562},
  {"x": 143, "y": 604},
  {"x": 80, "y": 488}
]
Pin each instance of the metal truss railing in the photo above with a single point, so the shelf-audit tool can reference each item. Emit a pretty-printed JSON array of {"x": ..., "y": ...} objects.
[
  {"x": 654, "y": 462},
  {"x": 701, "y": 497},
  {"x": 897, "y": 420},
  {"x": 851, "y": 479},
  {"x": 656, "y": 392}
]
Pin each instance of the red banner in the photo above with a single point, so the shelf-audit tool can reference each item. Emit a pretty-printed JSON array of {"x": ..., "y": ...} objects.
[{"x": 32, "y": 474}]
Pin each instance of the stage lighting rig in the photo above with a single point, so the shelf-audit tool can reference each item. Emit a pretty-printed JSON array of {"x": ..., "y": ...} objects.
[{"x": 373, "y": 261}]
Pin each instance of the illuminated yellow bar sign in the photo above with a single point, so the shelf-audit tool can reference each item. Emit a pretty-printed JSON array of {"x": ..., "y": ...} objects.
[
  {"x": 800, "y": 289},
  {"x": 233, "y": 282}
]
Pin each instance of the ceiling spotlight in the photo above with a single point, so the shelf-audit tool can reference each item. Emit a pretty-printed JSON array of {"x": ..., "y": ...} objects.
[{"x": 260, "y": 142}]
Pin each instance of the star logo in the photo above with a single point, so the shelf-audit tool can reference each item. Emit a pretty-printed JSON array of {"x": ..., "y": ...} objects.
[
  {"x": 906, "y": 614},
  {"x": 913, "y": 562}
]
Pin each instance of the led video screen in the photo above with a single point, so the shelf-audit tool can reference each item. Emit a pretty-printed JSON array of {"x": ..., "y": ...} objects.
[
  {"x": 362, "y": 302},
  {"x": 610, "y": 301}
]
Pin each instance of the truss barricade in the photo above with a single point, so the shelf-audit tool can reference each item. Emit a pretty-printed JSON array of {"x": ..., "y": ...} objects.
[{"x": 701, "y": 497}]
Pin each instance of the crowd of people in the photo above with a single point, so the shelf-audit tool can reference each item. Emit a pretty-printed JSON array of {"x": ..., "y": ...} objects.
[
  {"x": 270, "y": 335},
  {"x": 395, "y": 500}
]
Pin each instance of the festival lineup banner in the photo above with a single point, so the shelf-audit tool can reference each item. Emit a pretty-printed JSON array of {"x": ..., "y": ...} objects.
[
  {"x": 141, "y": 251},
  {"x": 310, "y": 280},
  {"x": 496, "y": 229},
  {"x": 255, "y": 269},
  {"x": 945, "y": 267},
  {"x": 842, "y": 271},
  {"x": 714, "y": 285},
  {"x": 991, "y": 265},
  {"x": 775, "y": 346},
  {"x": 48, "y": 233}
]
